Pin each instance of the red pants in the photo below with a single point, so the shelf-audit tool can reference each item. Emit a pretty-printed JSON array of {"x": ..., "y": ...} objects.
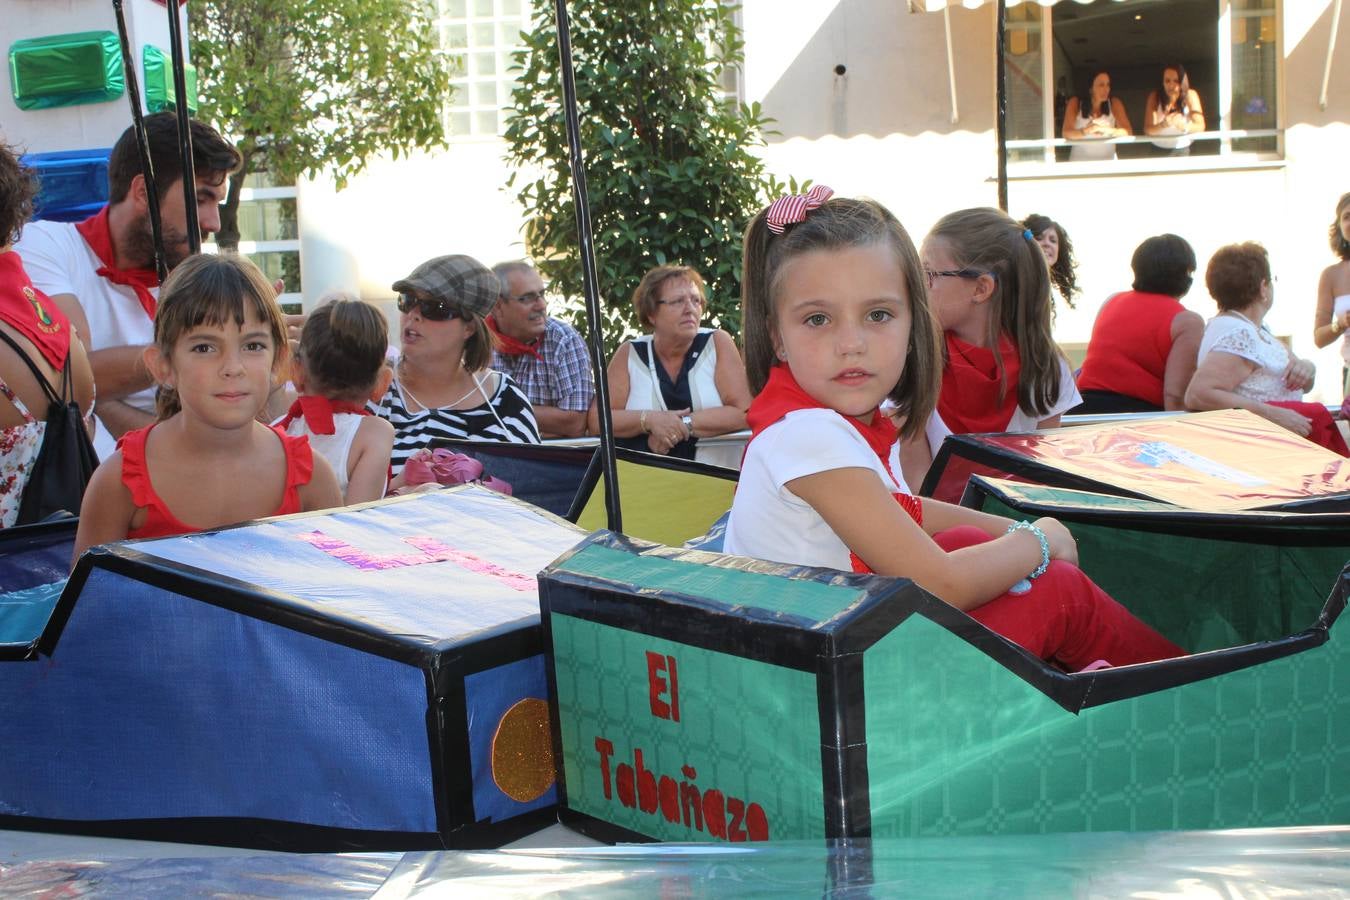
[
  {"x": 1324, "y": 430},
  {"x": 1064, "y": 618}
]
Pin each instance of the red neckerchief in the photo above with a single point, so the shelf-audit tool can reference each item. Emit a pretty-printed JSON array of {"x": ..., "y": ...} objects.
[
  {"x": 318, "y": 413},
  {"x": 32, "y": 312},
  {"x": 969, "y": 402},
  {"x": 510, "y": 346},
  {"x": 782, "y": 395},
  {"x": 95, "y": 232}
]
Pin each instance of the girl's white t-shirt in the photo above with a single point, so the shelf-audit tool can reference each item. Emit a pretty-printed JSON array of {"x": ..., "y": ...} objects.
[{"x": 770, "y": 522}]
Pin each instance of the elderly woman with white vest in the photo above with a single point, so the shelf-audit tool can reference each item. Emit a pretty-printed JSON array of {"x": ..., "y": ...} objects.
[{"x": 680, "y": 382}]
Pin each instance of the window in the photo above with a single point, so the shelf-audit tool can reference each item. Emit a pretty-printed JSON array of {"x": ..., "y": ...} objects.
[
  {"x": 1229, "y": 48},
  {"x": 269, "y": 234},
  {"x": 479, "y": 36}
]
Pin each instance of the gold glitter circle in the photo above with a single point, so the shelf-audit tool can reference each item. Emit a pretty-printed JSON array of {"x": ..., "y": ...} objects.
[{"x": 522, "y": 751}]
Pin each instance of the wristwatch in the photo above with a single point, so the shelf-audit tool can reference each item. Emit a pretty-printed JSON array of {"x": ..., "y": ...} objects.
[{"x": 688, "y": 426}]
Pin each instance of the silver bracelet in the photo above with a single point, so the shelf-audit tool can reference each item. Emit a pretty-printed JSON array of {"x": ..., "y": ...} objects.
[{"x": 1024, "y": 525}]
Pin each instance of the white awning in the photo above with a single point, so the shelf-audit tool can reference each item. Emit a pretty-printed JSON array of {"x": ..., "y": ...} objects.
[{"x": 939, "y": 5}]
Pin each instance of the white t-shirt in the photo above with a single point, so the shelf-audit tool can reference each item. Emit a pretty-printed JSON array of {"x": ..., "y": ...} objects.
[
  {"x": 335, "y": 447},
  {"x": 60, "y": 262},
  {"x": 770, "y": 522}
]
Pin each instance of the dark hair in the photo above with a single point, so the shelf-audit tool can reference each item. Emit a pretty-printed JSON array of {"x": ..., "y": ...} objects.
[
  {"x": 213, "y": 157},
  {"x": 1064, "y": 273},
  {"x": 1235, "y": 273},
  {"x": 990, "y": 240},
  {"x": 1085, "y": 107},
  {"x": 839, "y": 224},
  {"x": 1339, "y": 245},
  {"x": 1183, "y": 96},
  {"x": 478, "y": 348},
  {"x": 644, "y": 295},
  {"x": 1163, "y": 264},
  {"x": 18, "y": 187},
  {"x": 342, "y": 348},
  {"x": 213, "y": 288}
]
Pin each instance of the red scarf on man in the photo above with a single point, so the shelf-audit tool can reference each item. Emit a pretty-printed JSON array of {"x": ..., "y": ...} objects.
[
  {"x": 782, "y": 395},
  {"x": 31, "y": 312},
  {"x": 95, "y": 232},
  {"x": 509, "y": 345},
  {"x": 969, "y": 402},
  {"x": 318, "y": 413}
]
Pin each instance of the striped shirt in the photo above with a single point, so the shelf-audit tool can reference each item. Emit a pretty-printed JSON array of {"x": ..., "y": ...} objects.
[{"x": 508, "y": 417}]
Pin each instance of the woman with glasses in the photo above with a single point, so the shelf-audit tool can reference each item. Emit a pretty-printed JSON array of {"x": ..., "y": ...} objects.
[
  {"x": 442, "y": 385},
  {"x": 1141, "y": 355},
  {"x": 989, "y": 288},
  {"x": 680, "y": 382},
  {"x": 1242, "y": 365}
]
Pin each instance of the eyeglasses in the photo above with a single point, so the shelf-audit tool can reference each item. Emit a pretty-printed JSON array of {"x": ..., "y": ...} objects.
[
  {"x": 431, "y": 310},
  {"x": 530, "y": 298},
  {"x": 933, "y": 276},
  {"x": 693, "y": 300}
]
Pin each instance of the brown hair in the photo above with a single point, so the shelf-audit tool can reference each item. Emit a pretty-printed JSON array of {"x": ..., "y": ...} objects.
[
  {"x": 991, "y": 241},
  {"x": 838, "y": 224},
  {"x": 478, "y": 348},
  {"x": 18, "y": 187},
  {"x": 644, "y": 296},
  {"x": 1339, "y": 245},
  {"x": 212, "y": 289},
  {"x": 213, "y": 157},
  {"x": 342, "y": 348},
  {"x": 1235, "y": 273}
]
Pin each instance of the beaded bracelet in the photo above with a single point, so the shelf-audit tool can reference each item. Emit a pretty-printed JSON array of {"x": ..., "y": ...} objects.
[{"x": 1024, "y": 525}]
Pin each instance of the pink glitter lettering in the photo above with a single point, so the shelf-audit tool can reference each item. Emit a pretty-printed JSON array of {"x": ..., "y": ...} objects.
[{"x": 431, "y": 550}]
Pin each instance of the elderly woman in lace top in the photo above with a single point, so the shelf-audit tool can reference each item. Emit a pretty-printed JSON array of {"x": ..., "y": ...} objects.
[{"x": 1241, "y": 364}]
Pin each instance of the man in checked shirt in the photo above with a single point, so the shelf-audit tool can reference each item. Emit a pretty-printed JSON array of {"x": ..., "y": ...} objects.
[{"x": 545, "y": 356}]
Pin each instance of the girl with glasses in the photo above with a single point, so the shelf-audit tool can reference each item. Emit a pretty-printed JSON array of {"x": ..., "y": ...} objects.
[
  {"x": 443, "y": 387},
  {"x": 1001, "y": 368}
]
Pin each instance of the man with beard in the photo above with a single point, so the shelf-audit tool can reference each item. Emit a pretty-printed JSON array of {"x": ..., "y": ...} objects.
[{"x": 101, "y": 272}]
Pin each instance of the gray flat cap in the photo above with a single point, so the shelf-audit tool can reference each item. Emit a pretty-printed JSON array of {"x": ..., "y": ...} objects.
[{"x": 457, "y": 279}]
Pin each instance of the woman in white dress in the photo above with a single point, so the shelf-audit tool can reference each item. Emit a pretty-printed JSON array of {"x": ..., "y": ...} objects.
[
  {"x": 1091, "y": 119},
  {"x": 1333, "y": 292},
  {"x": 1241, "y": 364}
]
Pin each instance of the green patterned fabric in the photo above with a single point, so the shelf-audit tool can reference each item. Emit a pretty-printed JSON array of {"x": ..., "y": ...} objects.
[
  {"x": 746, "y": 731},
  {"x": 808, "y": 599},
  {"x": 159, "y": 90},
  {"x": 66, "y": 70},
  {"x": 958, "y": 745}
]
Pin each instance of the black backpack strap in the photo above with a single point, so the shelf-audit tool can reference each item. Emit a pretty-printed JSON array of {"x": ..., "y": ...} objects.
[{"x": 52, "y": 395}]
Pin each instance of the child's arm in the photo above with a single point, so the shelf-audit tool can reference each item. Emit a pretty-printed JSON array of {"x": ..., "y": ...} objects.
[
  {"x": 322, "y": 490},
  {"x": 855, "y": 504},
  {"x": 107, "y": 508},
  {"x": 939, "y": 516},
  {"x": 368, "y": 460}
]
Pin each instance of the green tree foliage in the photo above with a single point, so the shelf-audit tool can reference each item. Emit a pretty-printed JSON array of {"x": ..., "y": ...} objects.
[
  {"x": 310, "y": 86},
  {"x": 671, "y": 176}
]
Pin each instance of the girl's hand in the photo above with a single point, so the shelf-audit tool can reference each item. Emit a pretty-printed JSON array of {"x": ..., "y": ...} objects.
[
  {"x": 1062, "y": 543},
  {"x": 1299, "y": 375}
]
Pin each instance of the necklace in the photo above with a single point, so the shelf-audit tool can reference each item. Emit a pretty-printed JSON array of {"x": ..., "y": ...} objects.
[
  {"x": 1260, "y": 329},
  {"x": 407, "y": 394}
]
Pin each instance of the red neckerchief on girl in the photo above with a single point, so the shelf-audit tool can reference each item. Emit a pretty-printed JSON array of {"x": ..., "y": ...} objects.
[
  {"x": 318, "y": 413},
  {"x": 782, "y": 395},
  {"x": 31, "y": 312},
  {"x": 95, "y": 232},
  {"x": 969, "y": 402},
  {"x": 509, "y": 345}
]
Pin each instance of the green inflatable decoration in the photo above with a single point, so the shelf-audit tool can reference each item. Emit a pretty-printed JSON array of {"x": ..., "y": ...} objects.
[{"x": 66, "y": 70}]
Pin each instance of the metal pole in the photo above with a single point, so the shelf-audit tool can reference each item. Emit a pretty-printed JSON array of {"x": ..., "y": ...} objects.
[
  {"x": 142, "y": 142},
  {"x": 589, "y": 280},
  {"x": 1001, "y": 107},
  {"x": 184, "y": 129}
]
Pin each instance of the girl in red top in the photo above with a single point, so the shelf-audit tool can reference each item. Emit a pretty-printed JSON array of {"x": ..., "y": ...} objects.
[{"x": 220, "y": 341}]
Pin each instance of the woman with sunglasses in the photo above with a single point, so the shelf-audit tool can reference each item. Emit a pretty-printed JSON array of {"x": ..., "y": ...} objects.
[
  {"x": 442, "y": 385},
  {"x": 680, "y": 382},
  {"x": 989, "y": 288}
]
